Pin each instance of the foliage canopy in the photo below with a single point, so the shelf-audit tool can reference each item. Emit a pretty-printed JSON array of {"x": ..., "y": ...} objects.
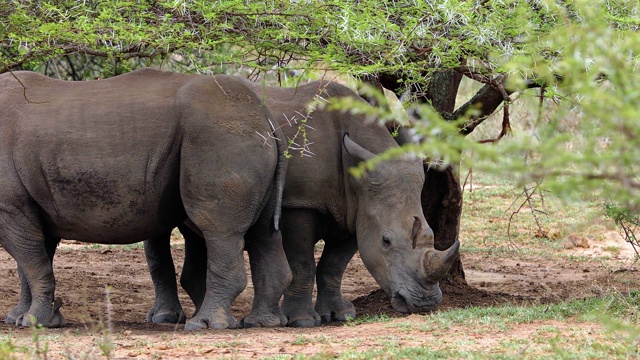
[{"x": 583, "y": 54}]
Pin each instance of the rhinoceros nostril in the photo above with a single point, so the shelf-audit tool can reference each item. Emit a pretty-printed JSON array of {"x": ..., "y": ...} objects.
[{"x": 399, "y": 302}]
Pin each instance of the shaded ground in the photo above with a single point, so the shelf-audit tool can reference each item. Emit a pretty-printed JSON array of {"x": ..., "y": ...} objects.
[{"x": 84, "y": 272}]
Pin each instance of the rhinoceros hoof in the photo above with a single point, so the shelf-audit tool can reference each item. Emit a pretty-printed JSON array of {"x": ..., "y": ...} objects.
[
  {"x": 11, "y": 319},
  {"x": 15, "y": 313}
]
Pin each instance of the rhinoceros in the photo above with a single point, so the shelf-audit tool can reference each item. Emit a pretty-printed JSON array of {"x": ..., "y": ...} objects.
[
  {"x": 129, "y": 158},
  {"x": 379, "y": 215}
]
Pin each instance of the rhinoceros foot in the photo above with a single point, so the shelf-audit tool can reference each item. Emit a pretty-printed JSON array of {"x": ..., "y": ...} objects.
[
  {"x": 303, "y": 318},
  {"x": 158, "y": 315},
  {"x": 299, "y": 311},
  {"x": 201, "y": 321},
  {"x": 169, "y": 318},
  {"x": 308, "y": 322},
  {"x": 49, "y": 317},
  {"x": 264, "y": 319},
  {"x": 335, "y": 309}
]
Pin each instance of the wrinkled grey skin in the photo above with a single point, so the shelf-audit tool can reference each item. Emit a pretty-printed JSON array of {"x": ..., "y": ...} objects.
[
  {"x": 379, "y": 215},
  {"x": 129, "y": 158}
]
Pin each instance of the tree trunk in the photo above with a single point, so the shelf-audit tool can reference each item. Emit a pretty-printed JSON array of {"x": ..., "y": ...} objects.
[{"x": 442, "y": 194}]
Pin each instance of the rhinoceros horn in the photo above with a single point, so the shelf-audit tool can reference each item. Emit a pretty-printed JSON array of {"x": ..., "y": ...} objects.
[
  {"x": 436, "y": 263},
  {"x": 355, "y": 150}
]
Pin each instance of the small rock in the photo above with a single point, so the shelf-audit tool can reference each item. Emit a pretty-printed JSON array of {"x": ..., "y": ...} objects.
[{"x": 574, "y": 240}]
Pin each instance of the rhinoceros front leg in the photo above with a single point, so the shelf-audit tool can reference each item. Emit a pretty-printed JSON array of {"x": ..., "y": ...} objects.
[
  {"x": 166, "y": 308},
  {"x": 24, "y": 302},
  {"x": 330, "y": 304},
  {"x": 299, "y": 233},
  {"x": 194, "y": 271},
  {"x": 270, "y": 275},
  {"x": 22, "y": 237}
]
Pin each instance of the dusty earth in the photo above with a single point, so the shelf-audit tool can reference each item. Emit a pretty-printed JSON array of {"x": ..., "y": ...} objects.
[{"x": 84, "y": 272}]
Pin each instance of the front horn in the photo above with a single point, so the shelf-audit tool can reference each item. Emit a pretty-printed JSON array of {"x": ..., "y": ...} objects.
[{"x": 436, "y": 263}]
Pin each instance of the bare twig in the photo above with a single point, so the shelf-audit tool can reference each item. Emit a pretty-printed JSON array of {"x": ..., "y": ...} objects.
[
  {"x": 470, "y": 178},
  {"x": 528, "y": 192},
  {"x": 24, "y": 90}
]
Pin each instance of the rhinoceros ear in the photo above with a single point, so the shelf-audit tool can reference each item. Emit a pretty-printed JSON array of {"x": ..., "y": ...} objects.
[{"x": 355, "y": 150}]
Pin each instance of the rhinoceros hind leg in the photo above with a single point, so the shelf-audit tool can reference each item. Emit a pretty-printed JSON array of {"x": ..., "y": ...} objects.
[
  {"x": 225, "y": 279},
  {"x": 270, "y": 274},
  {"x": 330, "y": 304}
]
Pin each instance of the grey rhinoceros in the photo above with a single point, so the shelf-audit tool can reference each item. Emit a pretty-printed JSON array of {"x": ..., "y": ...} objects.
[
  {"x": 379, "y": 214},
  {"x": 129, "y": 158}
]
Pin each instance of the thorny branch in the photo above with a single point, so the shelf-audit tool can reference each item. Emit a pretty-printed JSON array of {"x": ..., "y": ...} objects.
[
  {"x": 24, "y": 90},
  {"x": 123, "y": 54},
  {"x": 628, "y": 232},
  {"x": 528, "y": 192}
]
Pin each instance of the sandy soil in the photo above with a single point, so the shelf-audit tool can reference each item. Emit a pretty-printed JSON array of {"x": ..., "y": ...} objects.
[{"x": 83, "y": 273}]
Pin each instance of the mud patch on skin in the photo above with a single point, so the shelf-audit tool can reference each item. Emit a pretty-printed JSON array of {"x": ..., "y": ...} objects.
[
  {"x": 238, "y": 125},
  {"x": 239, "y": 122},
  {"x": 95, "y": 190}
]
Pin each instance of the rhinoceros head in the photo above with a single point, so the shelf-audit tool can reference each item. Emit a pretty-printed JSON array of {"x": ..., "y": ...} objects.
[{"x": 394, "y": 239}]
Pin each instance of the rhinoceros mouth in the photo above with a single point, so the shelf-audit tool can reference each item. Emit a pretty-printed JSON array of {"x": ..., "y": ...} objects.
[{"x": 405, "y": 302}]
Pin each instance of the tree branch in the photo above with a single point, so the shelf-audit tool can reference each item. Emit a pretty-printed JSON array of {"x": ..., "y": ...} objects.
[{"x": 485, "y": 101}]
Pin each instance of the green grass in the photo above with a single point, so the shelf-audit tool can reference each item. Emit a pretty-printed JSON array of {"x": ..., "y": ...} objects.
[
  {"x": 567, "y": 331},
  {"x": 621, "y": 307},
  {"x": 369, "y": 318}
]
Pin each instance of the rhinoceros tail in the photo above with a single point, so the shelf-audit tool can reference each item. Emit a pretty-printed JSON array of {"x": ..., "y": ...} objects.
[{"x": 281, "y": 171}]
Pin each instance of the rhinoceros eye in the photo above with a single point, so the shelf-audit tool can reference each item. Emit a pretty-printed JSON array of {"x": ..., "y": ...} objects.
[{"x": 386, "y": 241}]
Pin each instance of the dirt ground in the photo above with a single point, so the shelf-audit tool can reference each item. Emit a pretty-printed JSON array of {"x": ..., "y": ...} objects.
[{"x": 83, "y": 272}]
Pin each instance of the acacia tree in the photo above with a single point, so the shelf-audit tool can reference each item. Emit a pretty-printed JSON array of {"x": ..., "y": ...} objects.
[{"x": 418, "y": 50}]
